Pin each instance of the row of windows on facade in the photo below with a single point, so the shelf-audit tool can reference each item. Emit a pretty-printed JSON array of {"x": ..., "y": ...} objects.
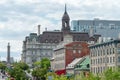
[
  {"x": 51, "y": 41},
  {"x": 54, "y": 36},
  {"x": 100, "y": 69},
  {"x": 39, "y": 46},
  {"x": 101, "y": 26},
  {"x": 77, "y": 51},
  {"x": 73, "y": 51},
  {"x": 106, "y": 46},
  {"x": 41, "y": 54},
  {"x": 95, "y": 30},
  {"x": 101, "y": 52},
  {"x": 30, "y": 60},
  {"x": 103, "y": 60}
]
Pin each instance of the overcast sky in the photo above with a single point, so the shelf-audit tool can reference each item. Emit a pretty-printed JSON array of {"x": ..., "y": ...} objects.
[{"x": 18, "y": 18}]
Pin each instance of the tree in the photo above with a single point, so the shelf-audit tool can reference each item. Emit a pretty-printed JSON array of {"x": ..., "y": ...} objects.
[
  {"x": 37, "y": 64},
  {"x": 53, "y": 76},
  {"x": 18, "y": 73},
  {"x": 2, "y": 66},
  {"x": 45, "y": 63},
  {"x": 41, "y": 68},
  {"x": 112, "y": 74},
  {"x": 21, "y": 65}
]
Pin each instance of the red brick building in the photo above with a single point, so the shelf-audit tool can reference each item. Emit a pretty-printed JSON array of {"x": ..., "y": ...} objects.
[
  {"x": 65, "y": 54},
  {"x": 75, "y": 50}
]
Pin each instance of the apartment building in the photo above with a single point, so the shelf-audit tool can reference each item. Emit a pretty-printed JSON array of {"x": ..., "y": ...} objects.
[{"x": 104, "y": 55}]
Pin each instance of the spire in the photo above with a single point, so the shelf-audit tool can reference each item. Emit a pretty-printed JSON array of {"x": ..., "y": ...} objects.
[
  {"x": 65, "y": 15},
  {"x": 65, "y": 8},
  {"x": 65, "y": 21}
]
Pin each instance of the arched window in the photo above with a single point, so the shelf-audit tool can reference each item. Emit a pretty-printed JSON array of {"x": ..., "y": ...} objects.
[{"x": 88, "y": 66}]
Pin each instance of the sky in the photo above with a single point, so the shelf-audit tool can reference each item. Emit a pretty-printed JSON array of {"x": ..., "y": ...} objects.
[{"x": 19, "y": 18}]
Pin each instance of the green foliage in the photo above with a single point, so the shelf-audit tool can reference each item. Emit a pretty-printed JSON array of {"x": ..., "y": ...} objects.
[
  {"x": 111, "y": 75},
  {"x": 28, "y": 71},
  {"x": 107, "y": 75},
  {"x": 37, "y": 64},
  {"x": 21, "y": 65},
  {"x": 41, "y": 68},
  {"x": 2, "y": 66},
  {"x": 56, "y": 77},
  {"x": 17, "y": 73},
  {"x": 39, "y": 72},
  {"x": 45, "y": 63}
]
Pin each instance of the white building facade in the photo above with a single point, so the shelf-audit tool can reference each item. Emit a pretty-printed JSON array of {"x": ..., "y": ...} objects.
[
  {"x": 104, "y": 55},
  {"x": 59, "y": 53},
  {"x": 34, "y": 51}
]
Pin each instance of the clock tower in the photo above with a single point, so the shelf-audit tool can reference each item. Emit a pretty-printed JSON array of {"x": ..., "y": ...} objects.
[{"x": 65, "y": 22}]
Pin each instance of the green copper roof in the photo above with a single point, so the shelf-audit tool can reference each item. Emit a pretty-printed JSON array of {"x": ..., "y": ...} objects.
[{"x": 84, "y": 65}]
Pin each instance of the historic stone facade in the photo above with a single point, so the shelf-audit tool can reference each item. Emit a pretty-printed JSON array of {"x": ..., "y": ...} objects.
[
  {"x": 33, "y": 50},
  {"x": 105, "y": 55},
  {"x": 43, "y": 44}
]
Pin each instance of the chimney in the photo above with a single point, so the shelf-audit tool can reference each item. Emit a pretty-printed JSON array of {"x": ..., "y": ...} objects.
[
  {"x": 8, "y": 53},
  {"x": 39, "y": 29}
]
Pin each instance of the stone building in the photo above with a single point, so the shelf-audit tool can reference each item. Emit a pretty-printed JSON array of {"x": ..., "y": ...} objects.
[
  {"x": 105, "y": 55},
  {"x": 35, "y": 46},
  {"x": 33, "y": 50}
]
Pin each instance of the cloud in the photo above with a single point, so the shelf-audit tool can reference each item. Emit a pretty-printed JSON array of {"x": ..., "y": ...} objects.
[
  {"x": 18, "y": 18},
  {"x": 16, "y": 45}
]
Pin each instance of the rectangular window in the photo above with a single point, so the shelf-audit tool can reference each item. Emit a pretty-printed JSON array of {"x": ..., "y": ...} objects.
[
  {"x": 74, "y": 51},
  {"x": 113, "y": 59},
  {"x": 112, "y": 26},
  {"x": 113, "y": 50},
  {"x": 110, "y": 59},
  {"x": 107, "y": 60},
  {"x": 118, "y": 58},
  {"x": 79, "y": 51},
  {"x": 118, "y": 50}
]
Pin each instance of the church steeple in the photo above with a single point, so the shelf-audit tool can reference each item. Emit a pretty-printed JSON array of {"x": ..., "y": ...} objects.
[
  {"x": 65, "y": 21},
  {"x": 65, "y": 9}
]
